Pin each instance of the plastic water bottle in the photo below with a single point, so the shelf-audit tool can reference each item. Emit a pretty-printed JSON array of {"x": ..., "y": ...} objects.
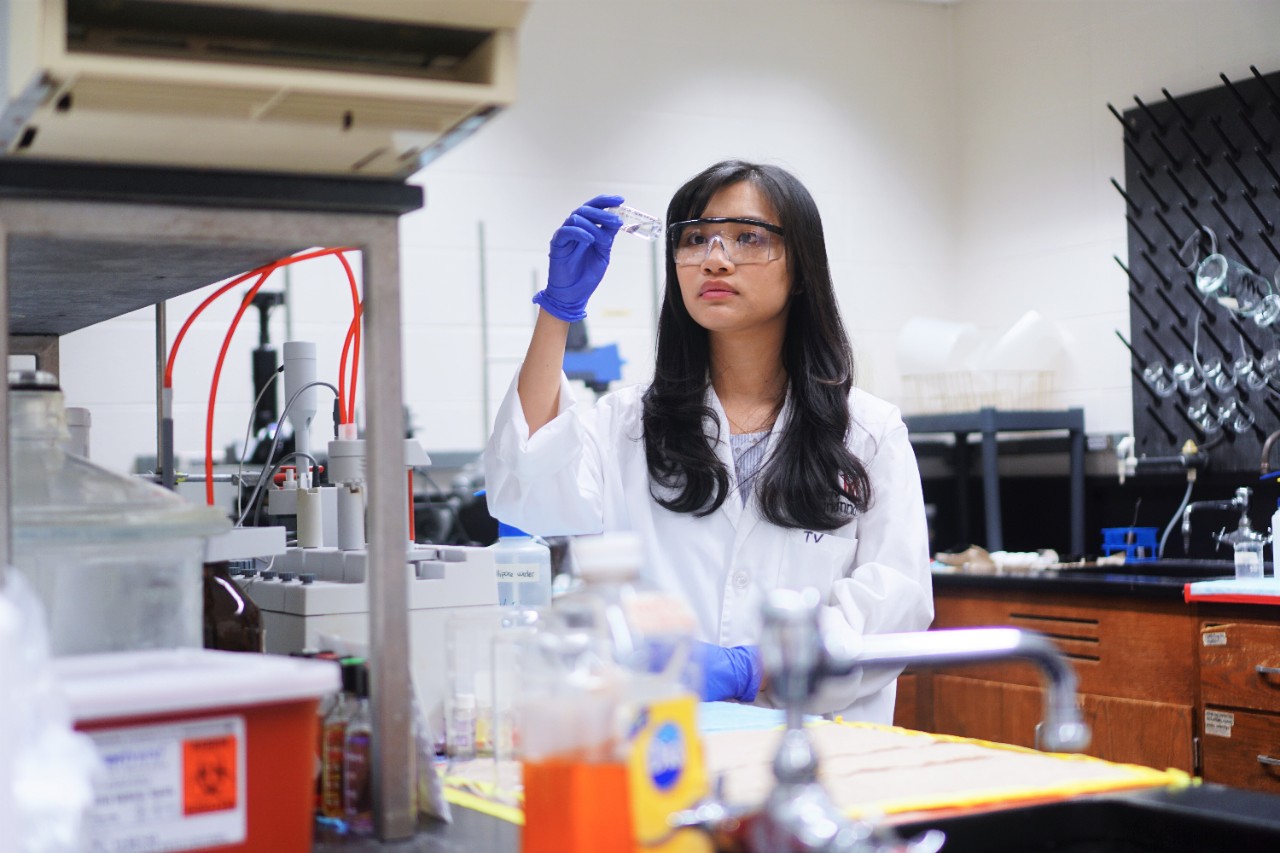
[{"x": 524, "y": 568}]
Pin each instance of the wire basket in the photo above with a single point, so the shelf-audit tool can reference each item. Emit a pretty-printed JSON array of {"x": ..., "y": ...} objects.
[{"x": 969, "y": 390}]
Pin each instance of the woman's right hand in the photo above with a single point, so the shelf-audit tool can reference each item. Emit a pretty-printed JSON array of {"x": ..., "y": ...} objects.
[{"x": 579, "y": 257}]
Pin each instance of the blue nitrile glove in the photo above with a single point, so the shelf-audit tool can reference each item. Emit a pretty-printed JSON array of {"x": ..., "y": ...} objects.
[
  {"x": 729, "y": 674},
  {"x": 579, "y": 257}
]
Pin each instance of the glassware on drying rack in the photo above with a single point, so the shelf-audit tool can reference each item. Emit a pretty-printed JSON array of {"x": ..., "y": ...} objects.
[
  {"x": 1216, "y": 375},
  {"x": 1203, "y": 416},
  {"x": 1269, "y": 365},
  {"x": 1188, "y": 378},
  {"x": 1248, "y": 374},
  {"x": 1269, "y": 311},
  {"x": 1234, "y": 285},
  {"x": 1235, "y": 416},
  {"x": 1159, "y": 380}
]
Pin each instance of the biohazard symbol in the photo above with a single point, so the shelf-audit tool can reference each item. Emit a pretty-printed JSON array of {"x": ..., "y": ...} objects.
[{"x": 209, "y": 775}]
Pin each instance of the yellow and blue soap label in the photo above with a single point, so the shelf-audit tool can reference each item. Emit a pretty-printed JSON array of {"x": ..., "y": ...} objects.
[{"x": 666, "y": 774}]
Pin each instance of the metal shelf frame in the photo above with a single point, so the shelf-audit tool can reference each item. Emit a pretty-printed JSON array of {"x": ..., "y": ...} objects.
[
  {"x": 989, "y": 421},
  {"x": 201, "y": 220}
]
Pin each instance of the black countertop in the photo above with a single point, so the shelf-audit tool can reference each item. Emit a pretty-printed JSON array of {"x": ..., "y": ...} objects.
[{"x": 1163, "y": 579}]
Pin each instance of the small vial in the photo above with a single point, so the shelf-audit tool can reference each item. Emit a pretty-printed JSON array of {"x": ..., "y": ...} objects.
[
  {"x": 462, "y": 728},
  {"x": 637, "y": 222}
]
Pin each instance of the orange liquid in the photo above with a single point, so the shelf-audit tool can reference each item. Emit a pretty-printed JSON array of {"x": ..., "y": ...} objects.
[{"x": 574, "y": 807}]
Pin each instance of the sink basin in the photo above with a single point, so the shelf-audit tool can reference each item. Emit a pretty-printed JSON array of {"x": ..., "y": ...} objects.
[{"x": 1205, "y": 819}]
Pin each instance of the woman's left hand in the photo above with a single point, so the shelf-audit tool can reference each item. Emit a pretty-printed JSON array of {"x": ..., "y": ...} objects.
[{"x": 729, "y": 674}]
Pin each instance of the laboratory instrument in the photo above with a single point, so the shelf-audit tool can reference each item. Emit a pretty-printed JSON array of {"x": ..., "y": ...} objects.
[{"x": 326, "y": 599}]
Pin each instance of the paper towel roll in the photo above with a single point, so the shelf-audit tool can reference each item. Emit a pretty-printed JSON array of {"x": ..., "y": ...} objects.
[{"x": 933, "y": 345}]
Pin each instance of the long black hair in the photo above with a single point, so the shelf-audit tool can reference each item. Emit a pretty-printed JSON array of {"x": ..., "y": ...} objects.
[{"x": 811, "y": 471}]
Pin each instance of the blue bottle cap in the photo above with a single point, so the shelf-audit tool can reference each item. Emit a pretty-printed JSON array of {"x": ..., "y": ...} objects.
[{"x": 506, "y": 531}]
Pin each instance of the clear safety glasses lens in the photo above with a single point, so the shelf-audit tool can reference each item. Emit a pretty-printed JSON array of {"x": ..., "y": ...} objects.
[{"x": 743, "y": 241}]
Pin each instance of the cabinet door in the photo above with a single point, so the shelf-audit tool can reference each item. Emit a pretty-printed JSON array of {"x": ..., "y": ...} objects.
[
  {"x": 1130, "y": 731},
  {"x": 906, "y": 711},
  {"x": 1133, "y": 731},
  {"x": 986, "y": 710},
  {"x": 1240, "y": 665},
  {"x": 1239, "y": 747}
]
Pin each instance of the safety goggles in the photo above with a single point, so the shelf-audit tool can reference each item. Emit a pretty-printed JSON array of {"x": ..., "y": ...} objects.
[{"x": 743, "y": 241}]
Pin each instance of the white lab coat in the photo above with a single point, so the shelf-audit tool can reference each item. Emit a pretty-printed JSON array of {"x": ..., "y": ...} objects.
[{"x": 584, "y": 472}]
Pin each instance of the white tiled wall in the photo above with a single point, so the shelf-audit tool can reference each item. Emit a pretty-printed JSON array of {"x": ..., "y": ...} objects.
[
  {"x": 959, "y": 154},
  {"x": 1038, "y": 219}
]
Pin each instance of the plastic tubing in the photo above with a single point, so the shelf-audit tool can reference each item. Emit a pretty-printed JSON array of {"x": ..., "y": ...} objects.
[
  {"x": 217, "y": 374},
  {"x": 264, "y": 272},
  {"x": 352, "y": 341},
  {"x": 353, "y": 335},
  {"x": 240, "y": 279}
]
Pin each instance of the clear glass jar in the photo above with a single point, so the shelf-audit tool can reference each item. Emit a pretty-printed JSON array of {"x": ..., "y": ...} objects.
[{"x": 116, "y": 561}]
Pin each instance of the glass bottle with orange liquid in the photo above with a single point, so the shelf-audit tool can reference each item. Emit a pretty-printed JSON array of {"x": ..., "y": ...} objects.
[{"x": 608, "y": 721}]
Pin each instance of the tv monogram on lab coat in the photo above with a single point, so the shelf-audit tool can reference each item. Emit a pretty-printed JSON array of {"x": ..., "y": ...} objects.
[{"x": 585, "y": 473}]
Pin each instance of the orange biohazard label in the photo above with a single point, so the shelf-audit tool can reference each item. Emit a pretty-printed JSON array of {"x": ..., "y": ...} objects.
[{"x": 209, "y": 775}]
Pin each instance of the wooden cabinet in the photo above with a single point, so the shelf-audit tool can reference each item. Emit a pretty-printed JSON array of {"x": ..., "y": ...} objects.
[
  {"x": 1135, "y": 661},
  {"x": 1240, "y": 694}
]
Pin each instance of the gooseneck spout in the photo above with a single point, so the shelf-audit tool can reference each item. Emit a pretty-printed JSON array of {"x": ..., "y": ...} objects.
[
  {"x": 1239, "y": 503},
  {"x": 1063, "y": 729},
  {"x": 798, "y": 814}
]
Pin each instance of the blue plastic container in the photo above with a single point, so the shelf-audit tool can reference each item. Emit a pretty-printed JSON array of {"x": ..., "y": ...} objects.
[{"x": 1137, "y": 543}]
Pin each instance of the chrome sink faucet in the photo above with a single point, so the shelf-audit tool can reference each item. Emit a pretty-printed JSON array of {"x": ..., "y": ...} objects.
[
  {"x": 1239, "y": 502},
  {"x": 798, "y": 814}
]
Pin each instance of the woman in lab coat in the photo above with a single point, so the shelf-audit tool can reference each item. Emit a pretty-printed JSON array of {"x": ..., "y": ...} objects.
[{"x": 750, "y": 462}]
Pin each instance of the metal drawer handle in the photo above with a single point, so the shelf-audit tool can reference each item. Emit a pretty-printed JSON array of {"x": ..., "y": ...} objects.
[
  {"x": 1267, "y": 670},
  {"x": 1269, "y": 761}
]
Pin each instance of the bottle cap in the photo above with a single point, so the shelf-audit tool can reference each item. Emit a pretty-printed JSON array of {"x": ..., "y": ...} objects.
[
  {"x": 505, "y": 531},
  {"x": 609, "y": 556},
  {"x": 351, "y": 669}
]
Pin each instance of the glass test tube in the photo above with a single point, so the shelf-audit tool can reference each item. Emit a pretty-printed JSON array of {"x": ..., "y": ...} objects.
[{"x": 637, "y": 222}]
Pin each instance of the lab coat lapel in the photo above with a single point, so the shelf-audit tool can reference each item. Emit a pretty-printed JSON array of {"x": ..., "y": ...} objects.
[{"x": 732, "y": 506}]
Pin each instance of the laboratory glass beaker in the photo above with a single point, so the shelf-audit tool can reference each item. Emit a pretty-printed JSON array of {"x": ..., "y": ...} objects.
[{"x": 1248, "y": 557}]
